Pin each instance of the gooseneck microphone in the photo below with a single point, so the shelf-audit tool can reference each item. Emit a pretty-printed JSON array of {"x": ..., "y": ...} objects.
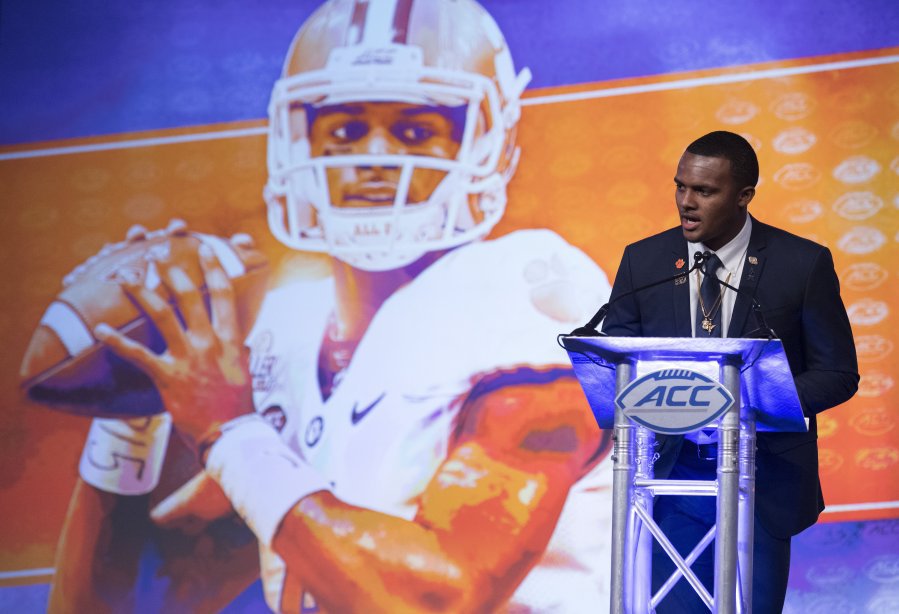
[
  {"x": 589, "y": 329},
  {"x": 761, "y": 324}
]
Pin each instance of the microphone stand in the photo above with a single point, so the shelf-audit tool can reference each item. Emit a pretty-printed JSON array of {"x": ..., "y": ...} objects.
[
  {"x": 762, "y": 325},
  {"x": 589, "y": 329},
  {"x": 699, "y": 260}
]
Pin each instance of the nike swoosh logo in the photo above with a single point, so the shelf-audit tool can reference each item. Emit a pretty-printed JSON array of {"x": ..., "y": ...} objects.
[{"x": 358, "y": 415}]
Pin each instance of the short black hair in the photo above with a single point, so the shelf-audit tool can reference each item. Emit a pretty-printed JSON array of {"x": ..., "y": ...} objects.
[{"x": 744, "y": 164}]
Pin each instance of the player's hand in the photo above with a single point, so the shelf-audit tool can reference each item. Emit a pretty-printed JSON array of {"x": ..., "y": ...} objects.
[
  {"x": 197, "y": 502},
  {"x": 202, "y": 376}
]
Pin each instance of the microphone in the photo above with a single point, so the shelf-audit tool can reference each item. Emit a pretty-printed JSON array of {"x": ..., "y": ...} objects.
[
  {"x": 761, "y": 324},
  {"x": 589, "y": 329}
]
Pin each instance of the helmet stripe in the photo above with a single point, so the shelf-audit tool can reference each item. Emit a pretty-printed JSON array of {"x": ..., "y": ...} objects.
[
  {"x": 401, "y": 21},
  {"x": 379, "y": 20},
  {"x": 357, "y": 22}
]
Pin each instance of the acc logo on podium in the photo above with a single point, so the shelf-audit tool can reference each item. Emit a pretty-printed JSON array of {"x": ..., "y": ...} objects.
[{"x": 674, "y": 400}]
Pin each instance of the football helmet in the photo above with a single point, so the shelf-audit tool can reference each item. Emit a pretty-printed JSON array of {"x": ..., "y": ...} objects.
[{"x": 438, "y": 53}]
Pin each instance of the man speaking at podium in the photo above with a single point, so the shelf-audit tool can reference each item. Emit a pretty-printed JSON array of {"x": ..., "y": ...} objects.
[{"x": 794, "y": 281}]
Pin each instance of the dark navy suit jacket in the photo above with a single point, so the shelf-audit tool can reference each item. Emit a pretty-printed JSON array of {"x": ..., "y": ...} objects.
[{"x": 794, "y": 281}]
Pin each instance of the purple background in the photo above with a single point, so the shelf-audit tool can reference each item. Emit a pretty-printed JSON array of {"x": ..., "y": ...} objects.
[{"x": 92, "y": 67}]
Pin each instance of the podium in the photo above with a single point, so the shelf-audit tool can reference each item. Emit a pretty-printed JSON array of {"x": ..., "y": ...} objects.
[{"x": 640, "y": 386}]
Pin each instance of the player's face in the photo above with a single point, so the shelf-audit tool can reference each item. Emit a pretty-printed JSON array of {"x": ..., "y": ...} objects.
[
  {"x": 712, "y": 206},
  {"x": 380, "y": 128}
]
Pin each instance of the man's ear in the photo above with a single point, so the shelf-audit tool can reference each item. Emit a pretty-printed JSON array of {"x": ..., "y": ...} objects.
[{"x": 746, "y": 195}]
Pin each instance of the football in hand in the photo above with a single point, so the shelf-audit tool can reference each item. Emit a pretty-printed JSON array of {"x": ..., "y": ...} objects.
[{"x": 67, "y": 368}]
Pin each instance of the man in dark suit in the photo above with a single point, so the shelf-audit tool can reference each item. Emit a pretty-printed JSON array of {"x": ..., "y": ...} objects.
[{"x": 794, "y": 281}]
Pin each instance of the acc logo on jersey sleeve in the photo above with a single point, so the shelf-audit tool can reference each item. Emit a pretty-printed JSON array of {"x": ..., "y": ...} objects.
[
  {"x": 674, "y": 400},
  {"x": 314, "y": 431}
]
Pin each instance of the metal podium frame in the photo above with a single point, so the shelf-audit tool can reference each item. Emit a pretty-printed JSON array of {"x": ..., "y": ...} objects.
[{"x": 756, "y": 373}]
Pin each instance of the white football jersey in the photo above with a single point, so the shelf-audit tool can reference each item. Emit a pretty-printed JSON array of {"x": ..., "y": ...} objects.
[{"x": 385, "y": 429}]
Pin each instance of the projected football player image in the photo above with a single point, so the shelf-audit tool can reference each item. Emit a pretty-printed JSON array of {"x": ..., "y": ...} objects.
[{"x": 403, "y": 434}]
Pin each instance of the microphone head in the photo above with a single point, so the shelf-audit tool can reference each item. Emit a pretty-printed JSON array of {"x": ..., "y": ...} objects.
[
  {"x": 699, "y": 260},
  {"x": 586, "y": 331}
]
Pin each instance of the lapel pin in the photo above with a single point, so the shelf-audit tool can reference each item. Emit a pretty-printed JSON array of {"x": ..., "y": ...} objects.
[
  {"x": 679, "y": 263},
  {"x": 753, "y": 260}
]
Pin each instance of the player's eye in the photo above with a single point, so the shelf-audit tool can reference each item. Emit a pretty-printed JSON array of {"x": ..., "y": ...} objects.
[
  {"x": 412, "y": 133},
  {"x": 350, "y": 131}
]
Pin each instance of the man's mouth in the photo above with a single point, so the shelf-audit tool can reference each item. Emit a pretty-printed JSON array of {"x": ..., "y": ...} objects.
[
  {"x": 374, "y": 199},
  {"x": 373, "y": 194},
  {"x": 689, "y": 222}
]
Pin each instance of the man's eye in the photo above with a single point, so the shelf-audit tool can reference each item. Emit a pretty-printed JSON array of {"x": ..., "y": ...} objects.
[
  {"x": 350, "y": 131},
  {"x": 413, "y": 134}
]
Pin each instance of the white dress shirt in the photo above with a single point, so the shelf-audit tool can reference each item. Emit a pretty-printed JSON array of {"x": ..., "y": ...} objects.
[{"x": 732, "y": 257}]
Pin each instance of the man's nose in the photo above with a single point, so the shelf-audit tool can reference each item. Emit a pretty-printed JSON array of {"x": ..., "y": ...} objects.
[{"x": 378, "y": 143}]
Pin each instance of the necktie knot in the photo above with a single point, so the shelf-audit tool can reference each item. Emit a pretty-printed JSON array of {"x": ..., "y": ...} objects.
[{"x": 712, "y": 264}]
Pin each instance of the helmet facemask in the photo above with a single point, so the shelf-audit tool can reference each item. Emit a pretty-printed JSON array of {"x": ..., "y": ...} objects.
[
  {"x": 446, "y": 58},
  {"x": 398, "y": 221}
]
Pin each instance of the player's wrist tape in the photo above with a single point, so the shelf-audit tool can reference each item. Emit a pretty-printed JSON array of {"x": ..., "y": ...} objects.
[
  {"x": 261, "y": 476},
  {"x": 125, "y": 456}
]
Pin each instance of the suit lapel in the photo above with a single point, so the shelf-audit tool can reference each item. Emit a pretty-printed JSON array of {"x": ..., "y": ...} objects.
[
  {"x": 749, "y": 281},
  {"x": 680, "y": 293}
]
